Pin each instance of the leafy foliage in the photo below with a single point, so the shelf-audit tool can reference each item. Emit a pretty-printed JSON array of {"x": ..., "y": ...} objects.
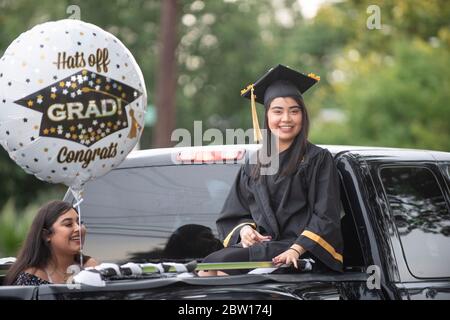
[{"x": 385, "y": 86}]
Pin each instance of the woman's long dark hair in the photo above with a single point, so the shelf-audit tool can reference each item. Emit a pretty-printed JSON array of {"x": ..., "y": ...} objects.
[
  {"x": 298, "y": 146},
  {"x": 36, "y": 252}
]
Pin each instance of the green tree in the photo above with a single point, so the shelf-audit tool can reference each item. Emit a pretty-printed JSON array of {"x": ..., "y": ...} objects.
[
  {"x": 391, "y": 83},
  {"x": 403, "y": 101}
]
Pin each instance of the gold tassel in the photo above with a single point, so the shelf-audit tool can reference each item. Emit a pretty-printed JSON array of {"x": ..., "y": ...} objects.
[
  {"x": 135, "y": 127},
  {"x": 314, "y": 76},
  {"x": 257, "y": 136}
]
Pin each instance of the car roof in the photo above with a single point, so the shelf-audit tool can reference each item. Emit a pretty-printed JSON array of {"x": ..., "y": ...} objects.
[{"x": 167, "y": 156}]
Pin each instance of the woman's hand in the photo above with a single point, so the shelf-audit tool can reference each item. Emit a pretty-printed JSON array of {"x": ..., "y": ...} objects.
[
  {"x": 250, "y": 236},
  {"x": 289, "y": 256}
]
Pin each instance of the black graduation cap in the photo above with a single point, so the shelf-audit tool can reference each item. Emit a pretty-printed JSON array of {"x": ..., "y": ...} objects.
[
  {"x": 83, "y": 107},
  {"x": 280, "y": 81}
]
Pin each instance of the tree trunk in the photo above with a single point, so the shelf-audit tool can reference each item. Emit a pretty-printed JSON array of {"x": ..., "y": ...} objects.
[{"x": 166, "y": 76}]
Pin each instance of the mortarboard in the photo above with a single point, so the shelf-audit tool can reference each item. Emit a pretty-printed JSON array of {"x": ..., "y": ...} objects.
[
  {"x": 83, "y": 107},
  {"x": 280, "y": 81}
]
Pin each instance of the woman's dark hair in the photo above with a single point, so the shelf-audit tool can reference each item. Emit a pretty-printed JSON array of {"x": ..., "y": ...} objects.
[
  {"x": 35, "y": 252},
  {"x": 298, "y": 146}
]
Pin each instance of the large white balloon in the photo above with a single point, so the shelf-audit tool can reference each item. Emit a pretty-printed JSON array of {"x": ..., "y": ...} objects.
[{"x": 72, "y": 102}]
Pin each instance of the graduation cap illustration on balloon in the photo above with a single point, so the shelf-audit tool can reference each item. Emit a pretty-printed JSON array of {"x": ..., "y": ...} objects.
[
  {"x": 84, "y": 107},
  {"x": 279, "y": 81}
]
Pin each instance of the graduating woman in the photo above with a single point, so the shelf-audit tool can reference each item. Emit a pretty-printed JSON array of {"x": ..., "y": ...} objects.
[{"x": 293, "y": 211}]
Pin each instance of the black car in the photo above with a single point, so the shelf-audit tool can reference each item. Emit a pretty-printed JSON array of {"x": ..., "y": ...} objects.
[{"x": 161, "y": 205}]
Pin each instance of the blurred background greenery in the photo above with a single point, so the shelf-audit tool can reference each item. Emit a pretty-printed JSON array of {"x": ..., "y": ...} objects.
[{"x": 379, "y": 87}]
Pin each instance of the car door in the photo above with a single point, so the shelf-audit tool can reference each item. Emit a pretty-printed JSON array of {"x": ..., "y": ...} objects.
[{"x": 415, "y": 196}]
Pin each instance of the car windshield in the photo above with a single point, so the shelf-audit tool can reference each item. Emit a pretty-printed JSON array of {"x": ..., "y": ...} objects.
[{"x": 153, "y": 213}]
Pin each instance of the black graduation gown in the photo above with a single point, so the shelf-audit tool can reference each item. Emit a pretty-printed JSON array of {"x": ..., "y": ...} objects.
[{"x": 302, "y": 208}]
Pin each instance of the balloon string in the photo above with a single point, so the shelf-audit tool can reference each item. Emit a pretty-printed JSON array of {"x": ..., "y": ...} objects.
[
  {"x": 77, "y": 204},
  {"x": 79, "y": 200}
]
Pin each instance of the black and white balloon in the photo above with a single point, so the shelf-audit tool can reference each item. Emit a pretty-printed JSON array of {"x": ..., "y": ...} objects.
[{"x": 72, "y": 102}]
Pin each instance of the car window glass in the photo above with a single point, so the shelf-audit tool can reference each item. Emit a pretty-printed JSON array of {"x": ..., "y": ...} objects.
[
  {"x": 144, "y": 214},
  {"x": 422, "y": 219}
]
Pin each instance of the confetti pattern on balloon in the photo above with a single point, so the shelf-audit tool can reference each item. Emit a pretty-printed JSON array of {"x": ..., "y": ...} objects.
[{"x": 72, "y": 102}]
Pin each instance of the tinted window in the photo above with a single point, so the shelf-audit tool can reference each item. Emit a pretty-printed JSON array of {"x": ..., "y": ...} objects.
[
  {"x": 422, "y": 219},
  {"x": 156, "y": 212}
]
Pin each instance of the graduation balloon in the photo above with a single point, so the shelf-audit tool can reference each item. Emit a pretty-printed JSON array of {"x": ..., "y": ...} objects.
[{"x": 72, "y": 102}]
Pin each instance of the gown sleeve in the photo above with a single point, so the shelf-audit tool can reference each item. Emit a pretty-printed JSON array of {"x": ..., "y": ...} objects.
[
  {"x": 322, "y": 235},
  {"x": 235, "y": 213}
]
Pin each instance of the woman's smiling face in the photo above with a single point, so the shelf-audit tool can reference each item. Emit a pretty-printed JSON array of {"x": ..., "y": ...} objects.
[
  {"x": 65, "y": 237},
  {"x": 284, "y": 119}
]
